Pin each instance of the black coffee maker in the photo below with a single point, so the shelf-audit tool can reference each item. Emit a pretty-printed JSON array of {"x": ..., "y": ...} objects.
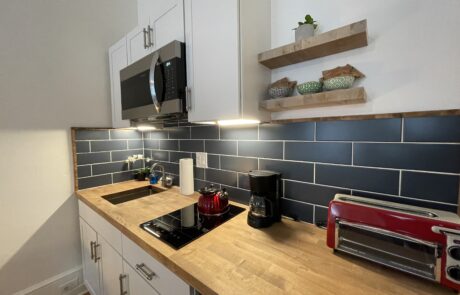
[{"x": 264, "y": 205}]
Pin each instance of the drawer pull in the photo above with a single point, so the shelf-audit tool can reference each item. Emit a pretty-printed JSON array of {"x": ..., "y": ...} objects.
[
  {"x": 91, "y": 245},
  {"x": 96, "y": 258},
  {"x": 145, "y": 271}
]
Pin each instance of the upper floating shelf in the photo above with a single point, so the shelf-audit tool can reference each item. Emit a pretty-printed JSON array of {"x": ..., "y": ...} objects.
[{"x": 342, "y": 39}]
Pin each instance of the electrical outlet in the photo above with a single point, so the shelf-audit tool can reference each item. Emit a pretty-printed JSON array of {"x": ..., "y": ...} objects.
[
  {"x": 202, "y": 160},
  {"x": 69, "y": 285}
]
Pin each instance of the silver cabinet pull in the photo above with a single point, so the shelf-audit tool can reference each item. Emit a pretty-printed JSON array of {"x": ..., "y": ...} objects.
[
  {"x": 188, "y": 99},
  {"x": 150, "y": 35},
  {"x": 96, "y": 258},
  {"x": 145, "y": 38},
  {"x": 145, "y": 271},
  {"x": 122, "y": 287},
  {"x": 91, "y": 244}
]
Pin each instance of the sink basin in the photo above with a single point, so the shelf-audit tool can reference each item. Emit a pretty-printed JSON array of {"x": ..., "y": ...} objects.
[{"x": 133, "y": 194}]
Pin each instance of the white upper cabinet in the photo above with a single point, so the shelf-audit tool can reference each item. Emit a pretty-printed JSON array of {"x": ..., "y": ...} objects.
[
  {"x": 160, "y": 22},
  {"x": 223, "y": 38},
  {"x": 118, "y": 59}
]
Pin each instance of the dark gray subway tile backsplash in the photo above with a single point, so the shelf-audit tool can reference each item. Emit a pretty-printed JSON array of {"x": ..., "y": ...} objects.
[{"x": 413, "y": 161}]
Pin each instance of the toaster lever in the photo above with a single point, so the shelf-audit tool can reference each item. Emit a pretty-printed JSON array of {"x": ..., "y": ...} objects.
[{"x": 442, "y": 230}]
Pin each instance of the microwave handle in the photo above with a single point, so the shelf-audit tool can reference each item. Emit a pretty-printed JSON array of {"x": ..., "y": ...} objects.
[
  {"x": 188, "y": 98},
  {"x": 153, "y": 92}
]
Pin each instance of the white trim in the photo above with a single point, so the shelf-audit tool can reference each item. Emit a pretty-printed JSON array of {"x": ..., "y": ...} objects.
[{"x": 54, "y": 279}]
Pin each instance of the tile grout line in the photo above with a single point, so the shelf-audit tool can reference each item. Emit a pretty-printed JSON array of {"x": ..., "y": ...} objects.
[
  {"x": 402, "y": 129},
  {"x": 400, "y": 182}
]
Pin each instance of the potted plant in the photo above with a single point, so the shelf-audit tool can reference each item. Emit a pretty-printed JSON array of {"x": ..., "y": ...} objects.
[
  {"x": 142, "y": 173},
  {"x": 306, "y": 28}
]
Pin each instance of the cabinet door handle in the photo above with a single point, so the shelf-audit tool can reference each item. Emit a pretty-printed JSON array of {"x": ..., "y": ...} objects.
[
  {"x": 145, "y": 271},
  {"x": 188, "y": 98},
  {"x": 96, "y": 258},
  {"x": 122, "y": 287},
  {"x": 91, "y": 244},
  {"x": 145, "y": 38},
  {"x": 150, "y": 34}
]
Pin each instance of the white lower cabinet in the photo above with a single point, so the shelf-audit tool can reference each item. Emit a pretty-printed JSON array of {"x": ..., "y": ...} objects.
[
  {"x": 134, "y": 284},
  {"x": 114, "y": 265}
]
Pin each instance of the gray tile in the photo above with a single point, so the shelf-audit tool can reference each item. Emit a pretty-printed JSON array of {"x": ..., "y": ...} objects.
[
  {"x": 431, "y": 187},
  {"x": 321, "y": 216},
  {"x": 205, "y": 132},
  {"x": 94, "y": 181},
  {"x": 213, "y": 161},
  {"x": 179, "y": 133},
  {"x": 289, "y": 170},
  {"x": 125, "y": 134},
  {"x": 169, "y": 145},
  {"x": 238, "y": 163},
  {"x": 199, "y": 184},
  {"x": 109, "y": 168},
  {"x": 426, "y": 157},
  {"x": 171, "y": 167},
  {"x": 362, "y": 130},
  {"x": 123, "y": 155},
  {"x": 82, "y": 146},
  {"x": 191, "y": 145},
  {"x": 135, "y": 144},
  {"x": 243, "y": 181},
  {"x": 108, "y": 145},
  {"x": 323, "y": 152},
  {"x": 239, "y": 132},
  {"x": 198, "y": 173},
  {"x": 238, "y": 195},
  {"x": 221, "y": 147},
  {"x": 91, "y": 134},
  {"x": 297, "y": 210},
  {"x": 222, "y": 177},
  {"x": 412, "y": 202},
  {"x": 261, "y": 149},
  {"x": 158, "y": 134},
  {"x": 136, "y": 165},
  {"x": 123, "y": 176},
  {"x": 160, "y": 156},
  {"x": 432, "y": 129},
  {"x": 153, "y": 144},
  {"x": 291, "y": 131},
  {"x": 176, "y": 156},
  {"x": 91, "y": 158},
  {"x": 147, "y": 153},
  {"x": 367, "y": 179},
  {"x": 83, "y": 171},
  {"x": 311, "y": 193}
]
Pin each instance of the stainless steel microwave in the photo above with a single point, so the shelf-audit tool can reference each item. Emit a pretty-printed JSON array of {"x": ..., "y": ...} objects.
[{"x": 153, "y": 88}]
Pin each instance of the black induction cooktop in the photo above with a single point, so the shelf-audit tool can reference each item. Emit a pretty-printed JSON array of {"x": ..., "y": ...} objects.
[{"x": 182, "y": 226}]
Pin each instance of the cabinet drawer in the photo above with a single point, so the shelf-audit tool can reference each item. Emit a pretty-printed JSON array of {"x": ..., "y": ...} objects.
[
  {"x": 101, "y": 226},
  {"x": 164, "y": 281},
  {"x": 135, "y": 283}
]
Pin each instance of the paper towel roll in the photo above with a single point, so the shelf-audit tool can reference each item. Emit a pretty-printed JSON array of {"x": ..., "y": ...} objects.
[
  {"x": 188, "y": 216},
  {"x": 186, "y": 176}
]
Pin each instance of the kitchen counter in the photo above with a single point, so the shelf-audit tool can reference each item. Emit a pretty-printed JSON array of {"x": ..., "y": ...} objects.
[{"x": 289, "y": 257}]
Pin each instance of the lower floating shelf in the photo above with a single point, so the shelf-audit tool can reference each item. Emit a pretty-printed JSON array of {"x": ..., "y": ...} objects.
[{"x": 322, "y": 99}]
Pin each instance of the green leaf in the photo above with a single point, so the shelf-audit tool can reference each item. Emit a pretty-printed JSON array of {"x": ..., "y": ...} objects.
[{"x": 308, "y": 19}]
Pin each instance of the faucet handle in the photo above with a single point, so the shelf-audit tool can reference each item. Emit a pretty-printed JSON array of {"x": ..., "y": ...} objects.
[{"x": 167, "y": 180}]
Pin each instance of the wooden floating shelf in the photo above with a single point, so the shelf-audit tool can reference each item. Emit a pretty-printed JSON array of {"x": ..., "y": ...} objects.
[
  {"x": 322, "y": 99},
  {"x": 342, "y": 39}
]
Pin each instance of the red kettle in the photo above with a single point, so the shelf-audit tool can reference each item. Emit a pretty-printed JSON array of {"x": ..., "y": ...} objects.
[{"x": 212, "y": 201}]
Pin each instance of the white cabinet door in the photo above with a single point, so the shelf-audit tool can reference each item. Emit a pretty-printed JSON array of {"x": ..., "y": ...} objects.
[
  {"x": 170, "y": 25},
  {"x": 213, "y": 30},
  {"x": 111, "y": 267},
  {"x": 138, "y": 41},
  {"x": 118, "y": 59},
  {"x": 90, "y": 266},
  {"x": 134, "y": 284}
]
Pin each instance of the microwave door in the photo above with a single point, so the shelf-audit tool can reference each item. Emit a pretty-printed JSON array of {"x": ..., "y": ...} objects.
[{"x": 156, "y": 82}]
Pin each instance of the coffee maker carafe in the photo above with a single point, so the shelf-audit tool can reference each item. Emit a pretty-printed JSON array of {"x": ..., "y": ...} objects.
[{"x": 264, "y": 204}]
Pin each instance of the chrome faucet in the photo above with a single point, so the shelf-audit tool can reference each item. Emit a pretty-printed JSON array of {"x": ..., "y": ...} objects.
[{"x": 162, "y": 170}]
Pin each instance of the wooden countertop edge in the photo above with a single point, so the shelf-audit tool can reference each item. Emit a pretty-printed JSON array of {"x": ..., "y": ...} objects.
[{"x": 166, "y": 261}]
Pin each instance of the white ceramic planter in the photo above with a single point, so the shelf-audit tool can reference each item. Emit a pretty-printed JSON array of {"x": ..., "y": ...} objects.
[{"x": 304, "y": 31}]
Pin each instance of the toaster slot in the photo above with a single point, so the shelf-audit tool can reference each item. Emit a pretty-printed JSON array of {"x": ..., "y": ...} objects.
[{"x": 401, "y": 252}]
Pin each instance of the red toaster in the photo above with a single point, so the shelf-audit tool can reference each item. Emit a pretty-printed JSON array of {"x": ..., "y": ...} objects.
[{"x": 416, "y": 240}]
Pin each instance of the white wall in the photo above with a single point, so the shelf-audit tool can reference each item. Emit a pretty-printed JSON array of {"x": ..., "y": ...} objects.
[
  {"x": 53, "y": 75},
  {"x": 412, "y": 62}
]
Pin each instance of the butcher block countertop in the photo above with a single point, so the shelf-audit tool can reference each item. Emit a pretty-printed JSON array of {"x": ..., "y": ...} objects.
[{"x": 289, "y": 257}]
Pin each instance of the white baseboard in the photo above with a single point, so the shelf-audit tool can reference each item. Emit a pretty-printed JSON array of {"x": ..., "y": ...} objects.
[{"x": 52, "y": 286}]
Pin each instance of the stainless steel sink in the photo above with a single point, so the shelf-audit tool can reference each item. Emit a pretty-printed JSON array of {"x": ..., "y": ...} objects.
[{"x": 133, "y": 194}]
